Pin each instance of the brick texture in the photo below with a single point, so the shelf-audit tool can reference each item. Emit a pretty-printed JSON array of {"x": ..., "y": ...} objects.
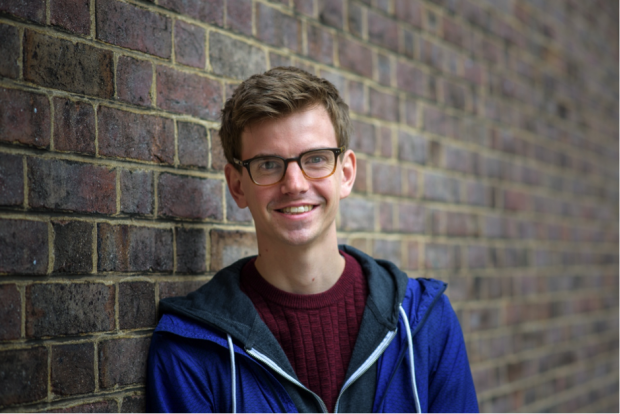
[
  {"x": 73, "y": 369},
  {"x": 10, "y": 312},
  {"x": 122, "y": 361},
  {"x": 23, "y": 375},
  {"x": 25, "y": 118}
]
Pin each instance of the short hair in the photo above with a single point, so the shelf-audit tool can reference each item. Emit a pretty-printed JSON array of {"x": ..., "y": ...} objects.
[{"x": 277, "y": 93}]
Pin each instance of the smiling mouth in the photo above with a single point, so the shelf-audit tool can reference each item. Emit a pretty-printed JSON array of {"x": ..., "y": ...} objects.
[{"x": 296, "y": 210}]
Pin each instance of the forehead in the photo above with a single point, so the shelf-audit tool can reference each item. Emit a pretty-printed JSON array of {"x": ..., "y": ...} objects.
[{"x": 289, "y": 135}]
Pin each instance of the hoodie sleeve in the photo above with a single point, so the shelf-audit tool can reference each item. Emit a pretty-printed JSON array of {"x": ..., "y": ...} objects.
[{"x": 451, "y": 386}]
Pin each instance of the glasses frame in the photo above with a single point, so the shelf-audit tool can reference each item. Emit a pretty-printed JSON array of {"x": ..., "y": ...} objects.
[{"x": 246, "y": 163}]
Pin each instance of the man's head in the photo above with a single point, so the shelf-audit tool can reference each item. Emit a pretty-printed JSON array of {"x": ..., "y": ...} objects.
[{"x": 275, "y": 94}]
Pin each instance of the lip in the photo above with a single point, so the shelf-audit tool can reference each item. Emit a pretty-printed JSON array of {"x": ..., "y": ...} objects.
[{"x": 296, "y": 215}]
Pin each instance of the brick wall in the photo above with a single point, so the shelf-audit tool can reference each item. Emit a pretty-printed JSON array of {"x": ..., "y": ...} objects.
[{"x": 487, "y": 139}]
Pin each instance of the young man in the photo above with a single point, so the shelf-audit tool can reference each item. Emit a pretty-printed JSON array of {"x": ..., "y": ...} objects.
[{"x": 306, "y": 325}]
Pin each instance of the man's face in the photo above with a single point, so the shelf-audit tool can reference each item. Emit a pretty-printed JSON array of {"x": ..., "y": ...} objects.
[{"x": 271, "y": 205}]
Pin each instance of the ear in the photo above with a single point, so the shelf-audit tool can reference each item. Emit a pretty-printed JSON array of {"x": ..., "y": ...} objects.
[
  {"x": 349, "y": 170},
  {"x": 233, "y": 179}
]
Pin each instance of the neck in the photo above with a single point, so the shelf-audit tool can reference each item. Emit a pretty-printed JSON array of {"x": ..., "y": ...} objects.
[{"x": 302, "y": 270}]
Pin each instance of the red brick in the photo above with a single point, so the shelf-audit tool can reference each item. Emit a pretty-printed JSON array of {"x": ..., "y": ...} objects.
[
  {"x": 459, "y": 159},
  {"x": 10, "y": 50},
  {"x": 54, "y": 309},
  {"x": 193, "y": 144},
  {"x": 386, "y": 217},
  {"x": 187, "y": 93},
  {"x": 73, "y": 67},
  {"x": 133, "y": 80},
  {"x": 134, "y": 28},
  {"x": 455, "y": 95},
  {"x": 355, "y": 56},
  {"x": 356, "y": 20},
  {"x": 239, "y": 16},
  {"x": 73, "y": 247},
  {"x": 11, "y": 180},
  {"x": 409, "y": 43},
  {"x": 412, "y": 148},
  {"x": 479, "y": 194},
  {"x": 385, "y": 142},
  {"x": 73, "y": 369},
  {"x": 360, "y": 184},
  {"x": 414, "y": 80},
  {"x": 435, "y": 120},
  {"x": 358, "y": 98},
  {"x": 477, "y": 256},
  {"x": 71, "y": 186},
  {"x": 208, "y": 11},
  {"x": 320, "y": 44},
  {"x": 382, "y": 30},
  {"x": 454, "y": 32},
  {"x": 74, "y": 126},
  {"x": 23, "y": 247},
  {"x": 10, "y": 312},
  {"x": 28, "y": 9},
  {"x": 305, "y": 7},
  {"x": 383, "y": 105},
  {"x": 278, "y": 29},
  {"x": 136, "y": 192},
  {"x": 135, "y": 136},
  {"x": 105, "y": 406},
  {"x": 430, "y": 53},
  {"x": 25, "y": 118},
  {"x": 134, "y": 404},
  {"x": 136, "y": 305},
  {"x": 411, "y": 181},
  {"x": 234, "y": 58},
  {"x": 412, "y": 256},
  {"x": 412, "y": 218},
  {"x": 190, "y": 197},
  {"x": 236, "y": 214},
  {"x": 363, "y": 138},
  {"x": 23, "y": 375},
  {"x": 218, "y": 160},
  {"x": 359, "y": 214},
  {"x": 440, "y": 256},
  {"x": 123, "y": 248},
  {"x": 439, "y": 187},
  {"x": 387, "y": 250},
  {"x": 171, "y": 289},
  {"x": 191, "y": 250},
  {"x": 229, "y": 246},
  {"x": 386, "y": 179},
  {"x": 189, "y": 44},
  {"x": 123, "y": 361},
  {"x": 384, "y": 69},
  {"x": 332, "y": 13},
  {"x": 275, "y": 60},
  {"x": 411, "y": 112},
  {"x": 73, "y": 15},
  {"x": 516, "y": 200},
  {"x": 409, "y": 11}
]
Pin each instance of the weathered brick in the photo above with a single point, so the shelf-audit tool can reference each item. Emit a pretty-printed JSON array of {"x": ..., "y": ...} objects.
[
  {"x": 23, "y": 375},
  {"x": 516, "y": 200},
  {"x": 409, "y": 11},
  {"x": 412, "y": 218},
  {"x": 54, "y": 309},
  {"x": 455, "y": 95},
  {"x": 361, "y": 184},
  {"x": 234, "y": 58},
  {"x": 385, "y": 142},
  {"x": 191, "y": 250},
  {"x": 411, "y": 181},
  {"x": 320, "y": 44},
  {"x": 386, "y": 216},
  {"x": 193, "y": 145},
  {"x": 412, "y": 256},
  {"x": 189, "y": 44},
  {"x": 171, "y": 289},
  {"x": 73, "y": 15},
  {"x": 73, "y": 369},
  {"x": 28, "y": 9},
  {"x": 71, "y": 186},
  {"x": 136, "y": 136},
  {"x": 208, "y": 11},
  {"x": 355, "y": 56},
  {"x": 358, "y": 99},
  {"x": 278, "y": 29},
  {"x": 477, "y": 256},
  {"x": 134, "y": 404},
  {"x": 190, "y": 197},
  {"x": 276, "y": 59},
  {"x": 10, "y": 312},
  {"x": 479, "y": 194},
  {"x": 105, "y": 406},
  {"x": 74, "y": 126},
  {"x": 25, "y": 118},
  {"x": 134, "y": 78},
  {"x": 136, "y": 305},
  {"x": 363, "y": 138},
  {"x": 124, "y": 248},
  {"x": 382, "y": 30},
  {"x": 414, "y": 80},
  {"x": 218, "y": 160},
  {"x": 135, "y": 28},
  {"x": 10, "y": 50},
  {"x": 74, "y": 67},
  {"x": 23, "y": 247},
  {"x": 459, "y": 159},
  {"x": 234, "y": 213},
  {"x": 73, "y": 247},
  {"x": 440, "y": 256},
  {"x": 11, "y": 180},
  {"x": 383, "y": 105},
  {"x": 123, "y": 361},
  {"x": 387, "y": 250},
  {"x": 229, "y": 246},
  {"x": 413, "y": 148},
  {"x": 360, "y": 214},
  {"x": 386, "y": 179},
  {"x": 305, "y": 7},
  {"x": 239, "y": 16},
  {"x": 332, "y": 13},
  {"x": 356, "y": 19},
  {"x": 384, "y": 70},
  {"x": 137, "y": 192},
  {"x": 187, "y": 93},
  {"x": 439, "y": 187}
]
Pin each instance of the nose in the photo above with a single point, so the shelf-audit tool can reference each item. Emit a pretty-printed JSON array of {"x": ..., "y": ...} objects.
[{"x": 294, "y": 181}]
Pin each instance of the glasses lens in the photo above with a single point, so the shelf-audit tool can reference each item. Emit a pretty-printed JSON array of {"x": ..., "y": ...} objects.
[
  {"x": 318, "y": 164},
  {"x": 267, "y": 170}
]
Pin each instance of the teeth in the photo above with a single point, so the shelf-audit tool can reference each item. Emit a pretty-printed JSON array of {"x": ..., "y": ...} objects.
[{"x": 296, "y": 210}]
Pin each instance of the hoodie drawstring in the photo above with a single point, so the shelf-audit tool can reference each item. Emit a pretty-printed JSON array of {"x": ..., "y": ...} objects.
[
  {"x": 232, "y": 374},
  {"x": 411, "y": 361}
]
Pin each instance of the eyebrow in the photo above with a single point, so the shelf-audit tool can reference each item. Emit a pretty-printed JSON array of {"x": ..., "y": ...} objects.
[{"x": 265, "y": 154}]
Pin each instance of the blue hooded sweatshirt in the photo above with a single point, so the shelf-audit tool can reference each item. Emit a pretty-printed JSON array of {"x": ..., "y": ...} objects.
[{"x": 211, "y": 352}]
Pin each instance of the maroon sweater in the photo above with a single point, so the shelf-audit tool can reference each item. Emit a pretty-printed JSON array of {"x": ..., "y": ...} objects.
[{"x": 316, "y": 332}]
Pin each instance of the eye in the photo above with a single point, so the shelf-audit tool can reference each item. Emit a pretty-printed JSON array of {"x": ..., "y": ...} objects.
[
  {"x": 268, "y": 165},
  {"x": 315, "y": 159}
]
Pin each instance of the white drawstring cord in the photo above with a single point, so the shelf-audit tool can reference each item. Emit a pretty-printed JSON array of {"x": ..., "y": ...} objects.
[
  {"x": 232, "y": 374},
  {"x": 411, "y": 361}
]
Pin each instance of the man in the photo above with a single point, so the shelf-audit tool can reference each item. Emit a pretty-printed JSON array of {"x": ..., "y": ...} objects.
[{"x": 305, "y": 325}]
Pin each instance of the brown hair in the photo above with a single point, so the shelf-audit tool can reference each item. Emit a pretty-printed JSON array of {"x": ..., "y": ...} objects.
[{"x": 277, "y": 93}]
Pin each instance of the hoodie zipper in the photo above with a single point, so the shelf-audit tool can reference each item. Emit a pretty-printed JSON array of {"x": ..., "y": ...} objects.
[{"x": 264, "y": 359}]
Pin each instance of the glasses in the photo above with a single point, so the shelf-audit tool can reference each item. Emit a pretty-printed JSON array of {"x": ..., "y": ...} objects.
[{"x": 314, "y": 164}]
